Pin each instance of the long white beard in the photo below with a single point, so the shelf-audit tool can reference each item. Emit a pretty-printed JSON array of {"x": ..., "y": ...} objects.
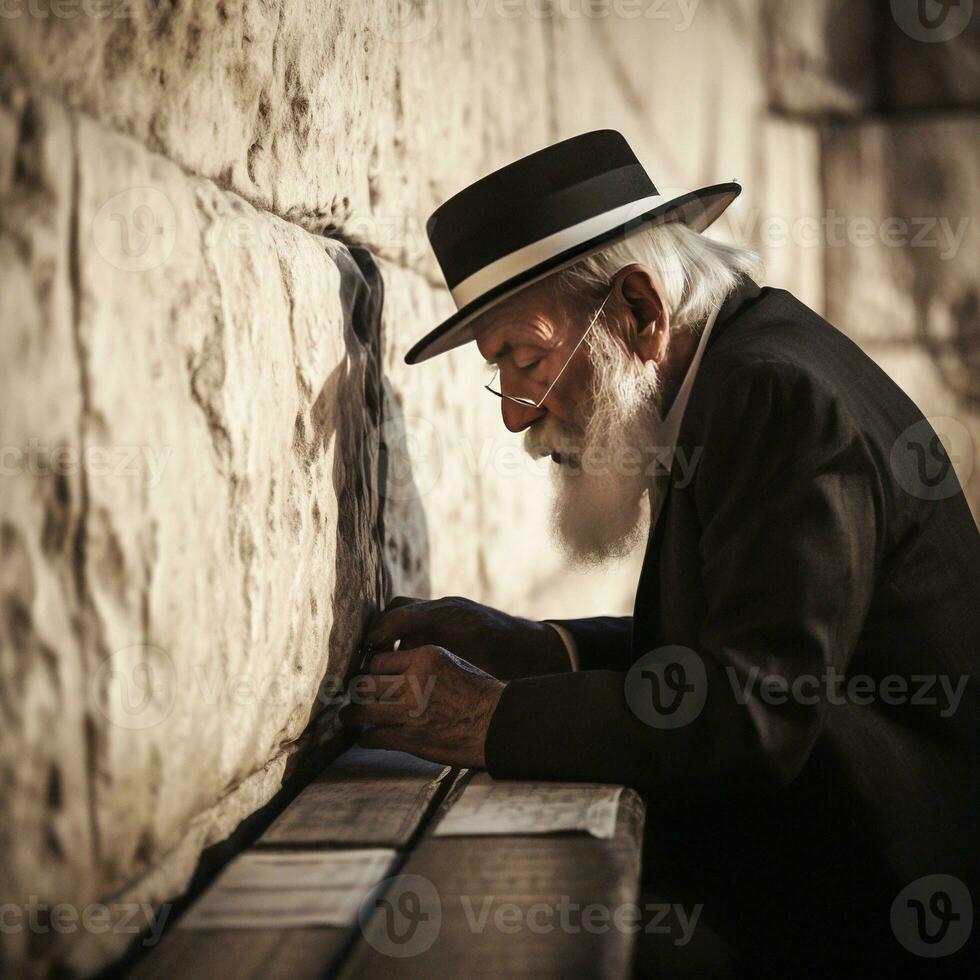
[{"x": 602, "y": 480}]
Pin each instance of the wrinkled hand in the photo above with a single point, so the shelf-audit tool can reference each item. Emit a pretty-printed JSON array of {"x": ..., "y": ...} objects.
[
  {"x": 502, "y": 645},
  {"x": 425, "y": 701}
]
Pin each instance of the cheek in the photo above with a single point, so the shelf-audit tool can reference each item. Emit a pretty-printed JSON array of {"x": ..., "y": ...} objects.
[{"x": 571, "y": 397}]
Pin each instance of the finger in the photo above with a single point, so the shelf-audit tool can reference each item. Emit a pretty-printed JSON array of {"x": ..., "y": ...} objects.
[
  {"x": 390, "y": 737},
  {"x": 386, "y": 688},
  {"x": 401, "y": 600},
  {"x": 396, "y": 661},
  {"x": 390, "y": 626},
  {"x": 396, "y": 620},
  {"x": 374, "y": 713}
]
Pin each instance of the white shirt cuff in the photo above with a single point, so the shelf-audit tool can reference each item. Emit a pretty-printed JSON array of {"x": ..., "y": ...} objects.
[{"x": 569, "y": 641}]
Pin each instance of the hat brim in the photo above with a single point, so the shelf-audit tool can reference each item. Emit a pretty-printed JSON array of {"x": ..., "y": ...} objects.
[{"x": 698, "y": 210}]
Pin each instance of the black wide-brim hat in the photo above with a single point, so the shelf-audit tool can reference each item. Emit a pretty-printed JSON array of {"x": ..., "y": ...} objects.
[{"x": 541, "y": 214}]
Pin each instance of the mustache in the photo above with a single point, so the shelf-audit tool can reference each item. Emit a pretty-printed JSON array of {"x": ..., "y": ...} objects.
[{"x": 555, "y": 438}]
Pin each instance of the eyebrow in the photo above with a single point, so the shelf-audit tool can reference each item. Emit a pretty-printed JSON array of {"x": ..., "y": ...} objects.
[
  {"x": 508, "y": 347},
  {"x": 502, "y": 352}
]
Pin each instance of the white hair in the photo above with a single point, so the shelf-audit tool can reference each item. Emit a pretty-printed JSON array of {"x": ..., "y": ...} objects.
[
  {"x": 603, "y": 477},
  {"x": 694, "y": 273}
]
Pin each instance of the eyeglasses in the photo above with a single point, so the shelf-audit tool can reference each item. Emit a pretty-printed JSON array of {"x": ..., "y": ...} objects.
[{"x": 527, "y": 402}]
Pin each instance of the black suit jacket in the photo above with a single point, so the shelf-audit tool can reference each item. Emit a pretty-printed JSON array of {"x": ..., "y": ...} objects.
[{"x": 795, "y": 547}]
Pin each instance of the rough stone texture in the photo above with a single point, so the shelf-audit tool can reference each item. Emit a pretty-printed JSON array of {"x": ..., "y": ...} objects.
[
  {"x": 221, "y": 554},
  {"x": 325, "y": 113},
  {"x": 933, "y": 64},
  {"x": 821, "y": 54},
  {"x": 335, "y": 126},
  {"x": 45, "y": 827},
  {"x": 262, "y": 471}
]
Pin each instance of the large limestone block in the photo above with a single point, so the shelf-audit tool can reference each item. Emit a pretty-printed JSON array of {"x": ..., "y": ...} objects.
[
  {"x": 933, "y": 54},
  {"x": 469, "y": 499},
  {"x": 904, "y": 246},
  {"x": 239, "y": 564},
  {"x": 789, "y": 227},
  {"x": 181, "y": 607},
  {"x": 820, "y": 54},
  {"x": 45, "y": 826},
  {"x": 361, "y": 115},
  {"x": 680, "y": 80},
  {"x": 683, "y": 82}
]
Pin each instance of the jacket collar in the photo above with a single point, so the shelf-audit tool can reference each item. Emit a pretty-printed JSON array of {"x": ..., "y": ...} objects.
[
  {"x": 738, "y": 299},
  {"x": 672, "y": 428}
]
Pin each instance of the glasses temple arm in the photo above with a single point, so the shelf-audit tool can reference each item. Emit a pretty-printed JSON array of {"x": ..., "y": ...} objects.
[{"x": 574, "y": 349}]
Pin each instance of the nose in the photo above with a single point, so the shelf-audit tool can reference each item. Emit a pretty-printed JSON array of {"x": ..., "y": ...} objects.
[{"x": 518, "y": 417}]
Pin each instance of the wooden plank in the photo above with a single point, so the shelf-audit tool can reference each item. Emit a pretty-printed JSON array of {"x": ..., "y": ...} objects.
[
  {"x": 257, "y": 954},
  {"x": 509, "y": 906},
  {"x": 537, "y": 905},
  {"x": 367, "y": 798}
]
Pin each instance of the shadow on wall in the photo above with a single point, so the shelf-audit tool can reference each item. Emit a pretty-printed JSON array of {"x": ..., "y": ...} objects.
[
  {"x": 347, "y": 412},
  {"x": 400, "y": 522},
  {"x": 358, "y": 409},
  {"x": 957, "y": 357},
  {"x": 952, "y": 344}
]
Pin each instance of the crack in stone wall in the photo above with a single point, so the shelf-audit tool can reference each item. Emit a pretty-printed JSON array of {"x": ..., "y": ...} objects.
[{"x": 86, "y": 625}]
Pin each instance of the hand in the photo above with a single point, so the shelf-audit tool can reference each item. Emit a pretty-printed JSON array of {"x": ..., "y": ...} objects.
[
  {"x": 504, "y": 646},
  {"x": 425, "y": 701}
]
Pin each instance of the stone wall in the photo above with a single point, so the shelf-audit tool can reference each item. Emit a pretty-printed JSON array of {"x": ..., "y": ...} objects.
[{"x": 216, "y": 465}]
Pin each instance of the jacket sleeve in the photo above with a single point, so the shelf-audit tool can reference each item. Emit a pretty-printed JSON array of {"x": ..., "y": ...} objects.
[
  {"x": 601, "y": 642},
  {"x": 785, "y": 496}
]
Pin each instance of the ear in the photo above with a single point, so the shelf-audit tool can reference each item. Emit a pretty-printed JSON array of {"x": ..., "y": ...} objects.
[{"x": 639, "y": 291}]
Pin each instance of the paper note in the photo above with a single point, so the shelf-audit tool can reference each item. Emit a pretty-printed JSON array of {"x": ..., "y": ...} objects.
[
  {"x": 489, "y": 806},
  {"x": 290, "y": 889},
  {"x": 360, "y": 809}
]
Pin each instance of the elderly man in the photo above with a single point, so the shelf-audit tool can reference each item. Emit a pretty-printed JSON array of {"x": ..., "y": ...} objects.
[{"x": 793, "y": 692}]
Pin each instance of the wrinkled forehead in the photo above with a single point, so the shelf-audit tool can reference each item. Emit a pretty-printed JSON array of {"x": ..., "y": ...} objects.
[{"x": 534, "y": 316}]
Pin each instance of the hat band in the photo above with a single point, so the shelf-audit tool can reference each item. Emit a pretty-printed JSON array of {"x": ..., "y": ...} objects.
[{"x": 529, "y": 256}]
